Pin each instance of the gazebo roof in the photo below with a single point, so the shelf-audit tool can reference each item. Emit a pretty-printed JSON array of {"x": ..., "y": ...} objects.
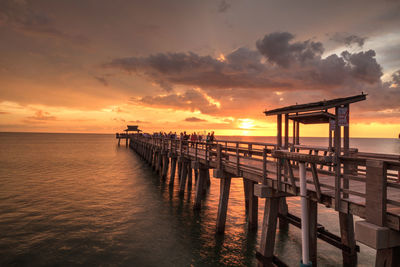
[
  {"x": 320, "y": 105},
  {"x": 312, "y": 117},
  {"x": 132, "y": 128}
]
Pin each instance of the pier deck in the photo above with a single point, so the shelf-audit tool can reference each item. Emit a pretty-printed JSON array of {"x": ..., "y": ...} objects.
[
  {"x": 245, "y": 159},
  {"x": 369, "y": 183}
]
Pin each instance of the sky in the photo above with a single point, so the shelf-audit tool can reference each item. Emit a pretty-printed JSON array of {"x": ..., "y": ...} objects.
[{"x": 195, "y": 65}]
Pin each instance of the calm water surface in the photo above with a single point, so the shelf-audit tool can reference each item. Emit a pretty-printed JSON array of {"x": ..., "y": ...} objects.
[{"x": 79, "y": 199}]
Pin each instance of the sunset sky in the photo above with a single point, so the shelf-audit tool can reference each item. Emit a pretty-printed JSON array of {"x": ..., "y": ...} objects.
[{"x": 97, "y": 65}]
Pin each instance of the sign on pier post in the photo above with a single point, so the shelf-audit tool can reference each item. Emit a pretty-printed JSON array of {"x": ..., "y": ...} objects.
[{"x": 343, "y": 116}]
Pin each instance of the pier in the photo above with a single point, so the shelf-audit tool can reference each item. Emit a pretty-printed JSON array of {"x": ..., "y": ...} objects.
[{"x": 351, "y": 182}]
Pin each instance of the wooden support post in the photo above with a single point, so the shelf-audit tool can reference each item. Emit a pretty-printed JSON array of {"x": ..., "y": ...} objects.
[
  {"x": 286, "y": 144},
  {"x": 119, "y": 141},
  {"x": 348, "y": 239},
  {"x": 283, "y": 210},
  {"x": 338, "y": 164},
  {"x": 313, "y": 223},
  {"x": 252, "y": 204},
  {"x": 346, "y": 147},
  {"x": 225, "y": 184},
  {"x": 291, "y": 176},
  {"x": 316, "y": 181},
  {"x": 196, "y": 175},
  {"x": 179, "y": 167},
  {"x": 149, "y": 154},
  {"x": 183, "y": 177},
  {"x": 165, "y": 166},
  {"x": 246, "y": 195},
  {"x": 173, "y": 167},
  {"x": 238, "y": 160},
  {"x": 279, "y": 131},
  {"x": 294, "y": 133},
  {"x": 160, "y": 162},
  {"x": 154, "y": 161},
  {"x": 190, "y": 174},
  {"x": 297, "y": 133},
  {"x": 200, "y": 183},
  {"x": 268, "y": 233},
  {"x": 279, "y": 146},
  {"x": 208, "y": 179}
]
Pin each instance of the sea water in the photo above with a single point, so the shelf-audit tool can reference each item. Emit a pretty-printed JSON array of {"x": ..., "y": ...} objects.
[{"x": 80, "y": 199}]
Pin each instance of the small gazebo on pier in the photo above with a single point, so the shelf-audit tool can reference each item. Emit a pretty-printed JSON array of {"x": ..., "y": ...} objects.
[{"x": 129, "y": 130}]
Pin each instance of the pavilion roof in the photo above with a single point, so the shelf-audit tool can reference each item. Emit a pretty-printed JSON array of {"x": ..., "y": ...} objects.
[{"x": 320, "y": 105}]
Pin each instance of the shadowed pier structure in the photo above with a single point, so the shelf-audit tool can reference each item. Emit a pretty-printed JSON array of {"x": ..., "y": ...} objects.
[
  {"x": 128, "y": 132},
  {"x": 336, "y": 176}
]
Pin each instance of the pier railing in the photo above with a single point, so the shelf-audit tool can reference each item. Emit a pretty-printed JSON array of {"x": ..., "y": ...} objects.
[{"x": 367, "y": 182}]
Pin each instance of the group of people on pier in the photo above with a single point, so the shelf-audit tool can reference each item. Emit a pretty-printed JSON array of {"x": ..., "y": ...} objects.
[{"x": 193, "y": 137}]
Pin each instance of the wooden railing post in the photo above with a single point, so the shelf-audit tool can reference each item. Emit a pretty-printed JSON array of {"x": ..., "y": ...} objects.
[
  {"x": 219, "y": 157},
  {"x": 338, "y": 163},
  {"x": 264, "y": 166},
  {"x": 375, "y": 192},
  {"x": 237, "y": 159},
  {"x": 195, "y": 153}
]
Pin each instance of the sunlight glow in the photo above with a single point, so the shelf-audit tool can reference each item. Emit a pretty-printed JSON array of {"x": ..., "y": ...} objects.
[
  {"x": 221, "y": 57},
  {"x": 246, "y": 124}
]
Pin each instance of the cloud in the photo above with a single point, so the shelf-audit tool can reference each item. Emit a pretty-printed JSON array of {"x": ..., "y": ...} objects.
[
  {"x": 223, "y": 6},
  {"x": 192, "y": 100},
  {"x": 242, "y": 68},
  {"x": 40, "y": 116},
  {"x": 277, "y": 48},
  {"x": 102, "y": 80},
  {"x": 396, "y": 78},
  {"x": 276, "y": 72},
  {"x": 4, "y": 112},
  {"x": 138, "y": 121},
  {"x": 363, "y": 66},
  {"x": 194, "y": 119},
  {"x": 20, "y": 16},
  {"x": 119, "y": 119},
  {"x": 348, "y": 39}
]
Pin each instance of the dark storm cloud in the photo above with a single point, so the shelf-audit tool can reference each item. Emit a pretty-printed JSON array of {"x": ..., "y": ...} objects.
[
  {"x": 396, "y": 78},
  {"x": 20, "y": 16},
  {"x": 363, "y": 66},
  {"x": 242, "y": 68},
  {"x": 344, "y": 70},
  {"x": 348, "y": 39},
  {"x": 194, "y": 119},
  {"x": 289, "y": 66},
  {"x": 277, "y": 48},
  {"x": 191, "y": 100}
]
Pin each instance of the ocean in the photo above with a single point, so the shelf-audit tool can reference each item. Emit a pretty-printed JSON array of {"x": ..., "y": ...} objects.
[{"x": 80, "y": 199}]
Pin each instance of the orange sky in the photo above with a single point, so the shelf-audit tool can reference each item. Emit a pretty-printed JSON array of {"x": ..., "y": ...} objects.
[{"x": 195, "y": 66}]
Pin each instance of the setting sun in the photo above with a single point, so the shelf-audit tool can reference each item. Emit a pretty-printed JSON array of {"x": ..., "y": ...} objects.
[{"x": 246, "y": 123}]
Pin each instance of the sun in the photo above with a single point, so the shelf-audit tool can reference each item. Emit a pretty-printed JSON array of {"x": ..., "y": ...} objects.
[{"x": 246, "y": 124}]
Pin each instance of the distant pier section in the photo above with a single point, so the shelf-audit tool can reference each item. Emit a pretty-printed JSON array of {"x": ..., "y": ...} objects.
[
  {"x": 337, "y": 176},
  {"x": 128, "y": 132}
]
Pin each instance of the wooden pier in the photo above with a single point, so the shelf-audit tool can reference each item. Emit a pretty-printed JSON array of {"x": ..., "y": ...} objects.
[{"x": 342, "y": 178}]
